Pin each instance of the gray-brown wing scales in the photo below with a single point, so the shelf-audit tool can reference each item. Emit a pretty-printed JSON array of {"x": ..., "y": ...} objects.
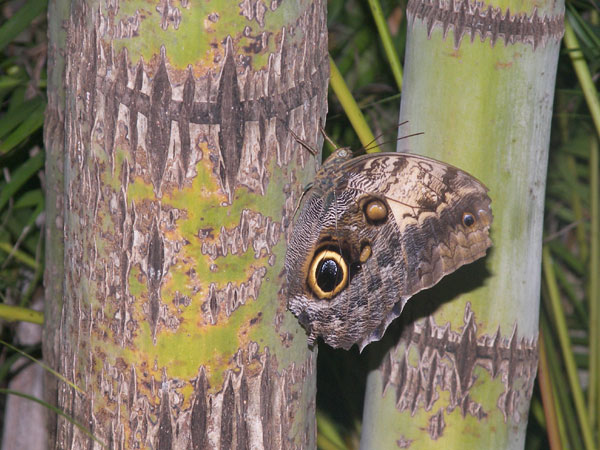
[
  {"x": 428, "y": 200},
  {"x": 421, "y": 238},
  {"x": 373, "y": 287}
]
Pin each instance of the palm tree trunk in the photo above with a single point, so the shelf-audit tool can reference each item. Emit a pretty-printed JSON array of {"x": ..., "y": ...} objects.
[
  {"x": 462, "y": 373},
  {"x": 54, "y": 140},
  {"x": 179, "y": 181}
]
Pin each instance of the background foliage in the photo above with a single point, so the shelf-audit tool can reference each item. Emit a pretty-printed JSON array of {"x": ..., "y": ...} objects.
[{"x": 567, "y": 396}]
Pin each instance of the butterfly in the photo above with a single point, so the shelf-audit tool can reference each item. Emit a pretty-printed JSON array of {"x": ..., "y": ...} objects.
[{"x": 371, "y": 232}]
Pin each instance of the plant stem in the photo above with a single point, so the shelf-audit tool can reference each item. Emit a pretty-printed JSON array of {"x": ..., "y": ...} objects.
[
  {"x": 18, "y": 255},
  {"x": 351, "y": 109},
  {"x": 594, "y": 288},
  {"x": 386, "y": 40},
  {"x": 583, "y": 74},
  {"x": 548, "y": 397},
  {"x": 19, "y": 314},
  {"x": 578, "y": 211}
]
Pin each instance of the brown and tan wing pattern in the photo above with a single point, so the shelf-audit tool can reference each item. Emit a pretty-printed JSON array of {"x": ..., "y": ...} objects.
[{"x": 372, "y": 232}]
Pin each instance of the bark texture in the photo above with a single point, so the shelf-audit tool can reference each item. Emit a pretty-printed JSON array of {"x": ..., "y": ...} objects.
[
  {"x": 54, "y": 140},
  {"x": 180, "y": 182}
]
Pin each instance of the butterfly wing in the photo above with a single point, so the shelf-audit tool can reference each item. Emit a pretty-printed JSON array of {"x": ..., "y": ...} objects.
[{"x": 390, "y": 225}]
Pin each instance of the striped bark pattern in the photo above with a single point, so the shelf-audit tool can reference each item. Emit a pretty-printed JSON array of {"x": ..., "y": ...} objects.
[
  {"x": 471, "y": 18},
  {"x": 447, "y": 362},
  {"x": 138, "y": 133}
]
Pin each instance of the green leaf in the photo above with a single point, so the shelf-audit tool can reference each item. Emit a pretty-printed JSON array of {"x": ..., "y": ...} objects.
[
  {"x": 30, "y": 125},
  {"x": 20, "y": 177},
  {"x": 31, "y": 198},
  {"x": 9, "y": 122},
  {"x": 20, "y": 21}
]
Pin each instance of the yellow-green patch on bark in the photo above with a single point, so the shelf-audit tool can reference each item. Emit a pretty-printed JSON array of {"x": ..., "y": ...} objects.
[{"x": 216, "y": 19}]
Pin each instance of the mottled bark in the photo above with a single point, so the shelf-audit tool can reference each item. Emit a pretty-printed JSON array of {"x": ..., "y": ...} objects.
[
  {"x": 180, "y": 181},
  {"x": 54, "y": 140},
  {"x": 479, "y": 81}
]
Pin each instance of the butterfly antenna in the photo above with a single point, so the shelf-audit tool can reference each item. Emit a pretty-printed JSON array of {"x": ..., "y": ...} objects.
[
  {"x": 368, "y": 146},
  {"x": 303, "y": 143},
  {"x": 327, "y": 138},
  {"x": 299, "y": 140},
  {"x": 374, "y": 141}
]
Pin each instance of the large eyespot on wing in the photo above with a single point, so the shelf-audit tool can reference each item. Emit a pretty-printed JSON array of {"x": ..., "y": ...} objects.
[{"x": 328, "y": 273}]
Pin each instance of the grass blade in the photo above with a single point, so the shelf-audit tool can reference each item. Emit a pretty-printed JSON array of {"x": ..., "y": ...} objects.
[
  {"x": 548, "y": 400},
  {"x": 19, "y": 255},
  {"x": 351, "y": 109},
  {"x": 565, "y": 344},
  {"x": 55, "y": 410},
  {"x": 29, "y": 126},
  {"x": 20, "y": 176},
  {"x": 44, "y": 366},
  {"x": 9, "y": 122},
  {"x": 583, "y": 73},
  {"x": 17, "y": 314},
  {"x": 594, "y": 287},
  {"x": 20, "y": 20},
  {"x": 386, "y": 39}
]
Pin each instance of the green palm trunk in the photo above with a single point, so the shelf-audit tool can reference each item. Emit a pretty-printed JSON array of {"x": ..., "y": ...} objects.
[
  {"x": 462, "y": 373},
  {"x": 175, "y": 177}
]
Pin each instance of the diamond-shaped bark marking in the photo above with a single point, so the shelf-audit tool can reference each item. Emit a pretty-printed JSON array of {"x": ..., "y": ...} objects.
[
  {"x": 185, "y": 114},
  {"x": 165, "y": 428},
  {"x": 241, "y": 414},
  {"x": 506, "y": 401},
  {"x": 266, "y": 403},
  {"x": 497, "y": 353},
  {"x": 200, "y": 414},
  {"x": 403, "y": 376},
  {"x": 213, "y": 305},
  {"x": 135, "y": 104},
  {"x": 155, "y": 264},
  {"x": 466, "y": 353},
  {"x": 156, "y": 257},
  {"x": 430, "y": 376},
  {"x": 231, "y": 133},
  {"x": 227, "y": 412},
  {"x": 159, "y": 126}
]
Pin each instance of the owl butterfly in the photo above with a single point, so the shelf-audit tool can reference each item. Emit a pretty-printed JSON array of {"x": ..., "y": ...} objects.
[{"x": 373, "y": 231}]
